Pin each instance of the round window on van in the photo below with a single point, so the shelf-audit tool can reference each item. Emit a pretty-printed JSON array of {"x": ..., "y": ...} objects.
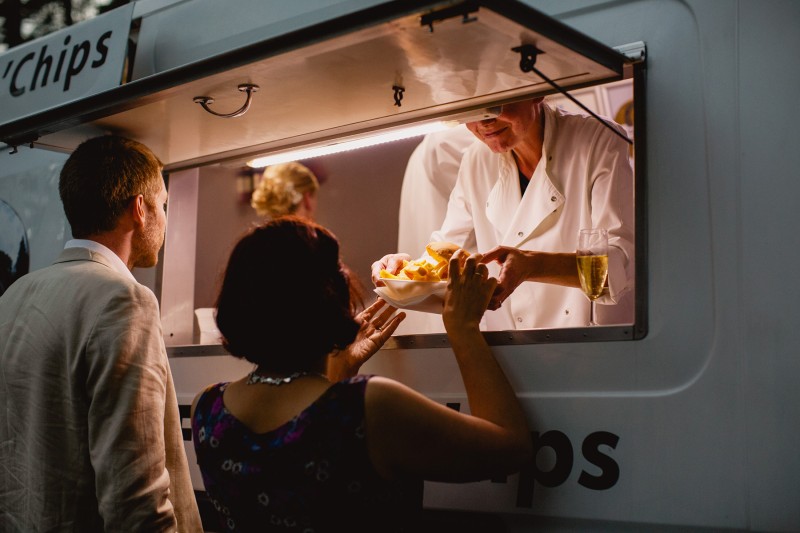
[{"x": 14, "y": 251}]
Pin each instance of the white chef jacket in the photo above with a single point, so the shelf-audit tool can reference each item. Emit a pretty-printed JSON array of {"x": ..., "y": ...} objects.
[
  {"x": 583, "y": 180},
  {"x": 429, "y": 179},
  {"x": 430, "y": 176}
]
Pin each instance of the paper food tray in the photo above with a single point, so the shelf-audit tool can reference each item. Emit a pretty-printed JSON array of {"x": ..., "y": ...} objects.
[{"x": 427, "y": 297}]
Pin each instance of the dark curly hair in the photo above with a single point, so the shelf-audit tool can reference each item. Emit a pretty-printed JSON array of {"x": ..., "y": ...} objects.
[{"x": 286, "y": 299}]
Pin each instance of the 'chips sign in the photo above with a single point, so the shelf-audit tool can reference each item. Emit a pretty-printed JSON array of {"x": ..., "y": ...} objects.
[{"x": 67, "y": 65}]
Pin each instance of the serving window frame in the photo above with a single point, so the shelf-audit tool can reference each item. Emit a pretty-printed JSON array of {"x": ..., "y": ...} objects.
[{"x": 63, "y": 127}]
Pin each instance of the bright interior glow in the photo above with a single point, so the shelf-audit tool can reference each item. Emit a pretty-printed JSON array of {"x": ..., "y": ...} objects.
[{"x": 343, "y": 146}]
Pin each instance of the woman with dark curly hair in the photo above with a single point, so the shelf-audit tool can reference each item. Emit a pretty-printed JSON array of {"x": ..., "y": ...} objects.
[{"x": 304, "y": 443}]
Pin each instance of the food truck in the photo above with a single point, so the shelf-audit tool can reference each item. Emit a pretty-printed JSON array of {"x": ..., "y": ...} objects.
[{"x": 684, "y": 416}]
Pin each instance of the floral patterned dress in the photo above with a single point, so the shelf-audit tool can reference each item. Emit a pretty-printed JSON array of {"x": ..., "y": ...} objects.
[{"x": 311, "y": 475}]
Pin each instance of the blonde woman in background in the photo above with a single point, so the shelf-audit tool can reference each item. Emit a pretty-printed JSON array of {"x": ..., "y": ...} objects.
[{"x": 286, "y": 189}]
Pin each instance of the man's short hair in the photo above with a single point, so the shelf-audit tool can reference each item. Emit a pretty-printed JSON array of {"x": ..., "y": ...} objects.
[{"x": 101, "y": 177}]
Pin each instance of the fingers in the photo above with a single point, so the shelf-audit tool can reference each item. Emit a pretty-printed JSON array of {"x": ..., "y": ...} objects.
[
  {"x": 481, "y": 270},
  {"x": 454, "y": 269},
  {"x": 395, "y": 262},
  {"x": 379, "y": 321},
  {"x": 390, "y": 326},
  {"x": 500, "y": 292},
  {"x": 384, "y": 326},
  {"x": 377, "y": 266},
  {"x": 495, "y": 254},
  {"x": 370, "y": 311},
  {"x": 497, "y": 300},
  {"x": 391, "y": 262},
  {"x": 472, "y": 266},
  {"x": 468, "y": 269},
  {"x": 458, "y": 263},
  {"x": 368, "y": 315}
]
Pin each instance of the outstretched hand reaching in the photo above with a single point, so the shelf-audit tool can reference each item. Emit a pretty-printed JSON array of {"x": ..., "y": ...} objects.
[{"x": 376, "y": 328}]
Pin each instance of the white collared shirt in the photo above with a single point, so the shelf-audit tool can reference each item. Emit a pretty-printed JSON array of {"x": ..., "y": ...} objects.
[{"x": 106, "y": 252}]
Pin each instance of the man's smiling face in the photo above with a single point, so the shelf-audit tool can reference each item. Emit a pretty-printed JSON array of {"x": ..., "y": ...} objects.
[{"x": 512, "y": 127}]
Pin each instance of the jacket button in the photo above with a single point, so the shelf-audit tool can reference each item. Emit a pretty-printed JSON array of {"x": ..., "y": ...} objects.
[
  {"x": 519, "y": 319},
  {"x": 520, "y": 234},
  {"x": 552, "y": 198}
]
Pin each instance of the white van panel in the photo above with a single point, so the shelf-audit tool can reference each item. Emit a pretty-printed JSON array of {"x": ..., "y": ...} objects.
[
  {"x": 194, "y": 30},
  {"x": 705, "y": 409},
  {"x": 705, "y": 406},
  {"x": 761, "y": 241}
]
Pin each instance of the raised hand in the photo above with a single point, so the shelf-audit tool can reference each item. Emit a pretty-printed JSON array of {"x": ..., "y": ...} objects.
[{"x": 376, "y": 328}]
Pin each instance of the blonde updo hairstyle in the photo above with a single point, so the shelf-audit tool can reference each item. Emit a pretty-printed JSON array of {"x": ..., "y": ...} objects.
[{"x": 281, "y": 188}]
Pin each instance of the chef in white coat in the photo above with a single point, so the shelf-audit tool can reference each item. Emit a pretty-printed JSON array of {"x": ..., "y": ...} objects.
[
  {"x": 430, "y": 176},
  {"x": 539, "y": 176}
]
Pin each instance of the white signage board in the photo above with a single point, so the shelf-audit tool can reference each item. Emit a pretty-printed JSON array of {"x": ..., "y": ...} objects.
[{"x": 64, "y": 66}]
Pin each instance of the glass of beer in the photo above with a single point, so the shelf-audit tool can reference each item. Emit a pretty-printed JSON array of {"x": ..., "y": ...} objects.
[{"x": 592, "y": 257}]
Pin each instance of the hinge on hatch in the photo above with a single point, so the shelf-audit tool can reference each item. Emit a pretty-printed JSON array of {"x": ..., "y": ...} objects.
[
  {"x": 463, "y": 10},
  {"x": 633, "y": 51},
  {"x": 527, "y": 63},
  {"x": 14, "y": 144}
]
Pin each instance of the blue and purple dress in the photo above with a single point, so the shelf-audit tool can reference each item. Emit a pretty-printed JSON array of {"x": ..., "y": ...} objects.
[{"x": 310, "y": 475}]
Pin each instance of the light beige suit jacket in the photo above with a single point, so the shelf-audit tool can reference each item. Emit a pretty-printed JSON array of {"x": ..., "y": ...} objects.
[{"x": 90, "y": 436}]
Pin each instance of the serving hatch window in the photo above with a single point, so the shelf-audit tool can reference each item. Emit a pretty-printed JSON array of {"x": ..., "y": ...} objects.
[
  {"x": 452, "y": 62},
  {"x": 364, "y": 197},
  {"x": 356, "y": 71}
]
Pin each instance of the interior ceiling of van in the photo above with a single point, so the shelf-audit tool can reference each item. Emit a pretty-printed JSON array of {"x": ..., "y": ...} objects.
[{"x": 391, "y": 73}]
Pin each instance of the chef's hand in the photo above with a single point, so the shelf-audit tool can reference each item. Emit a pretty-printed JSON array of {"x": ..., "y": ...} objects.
[
  {"x": 375, "y": 330},
  {"x": 515, "y": 267},
  {"x": 391, "y": 263}
]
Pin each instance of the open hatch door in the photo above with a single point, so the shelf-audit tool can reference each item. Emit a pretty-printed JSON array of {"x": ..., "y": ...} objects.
[{"x": 384, "y": 66}]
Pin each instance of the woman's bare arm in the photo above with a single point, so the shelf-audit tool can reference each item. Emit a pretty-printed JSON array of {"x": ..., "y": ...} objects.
[{"x": 410, "y": 435}]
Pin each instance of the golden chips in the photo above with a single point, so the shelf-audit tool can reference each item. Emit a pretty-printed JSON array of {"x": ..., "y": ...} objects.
[{"x": 418, "y": 270}]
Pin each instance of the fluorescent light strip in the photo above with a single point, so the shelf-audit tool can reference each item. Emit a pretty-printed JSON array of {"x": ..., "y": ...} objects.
[{"x": 337, "y": 147}]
